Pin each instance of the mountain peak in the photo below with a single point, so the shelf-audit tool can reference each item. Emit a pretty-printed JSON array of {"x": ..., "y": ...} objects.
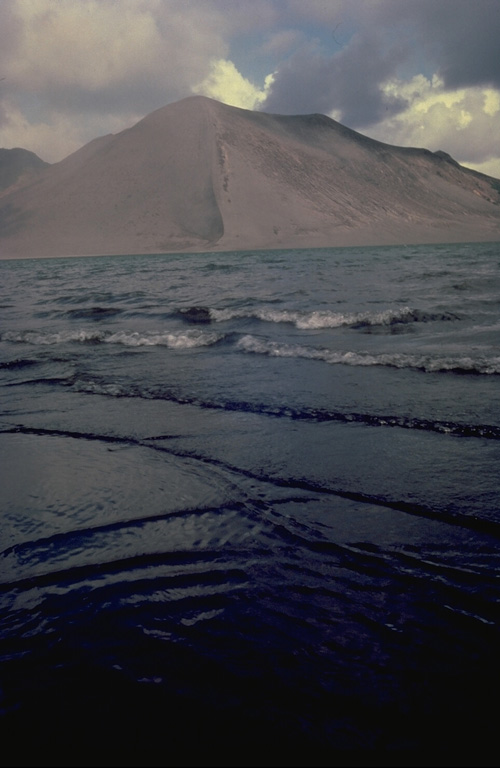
[{"x": 198, "y": 175}]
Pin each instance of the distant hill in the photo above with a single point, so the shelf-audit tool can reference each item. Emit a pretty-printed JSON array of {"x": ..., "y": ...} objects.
[
  {"x": 16, "y": 164},
  {"x": 198, "y": 175}
]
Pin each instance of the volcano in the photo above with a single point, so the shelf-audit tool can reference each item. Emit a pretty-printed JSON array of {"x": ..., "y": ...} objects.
[{"x": 198, "y": 175}]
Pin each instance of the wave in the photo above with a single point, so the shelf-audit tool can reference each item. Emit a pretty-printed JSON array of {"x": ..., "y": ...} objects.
[
  {"x": 18, "y": 364},
  {"x": 99, "y": 296},
  {"x": 92, "y": 313},
  {"x": 421, "y": 362},
  {"x": 173, "y": 340},
  {"x": 196, "y": 314},
  {"x": 92, "y": 386},
  {"x": 317, "y": 319}
]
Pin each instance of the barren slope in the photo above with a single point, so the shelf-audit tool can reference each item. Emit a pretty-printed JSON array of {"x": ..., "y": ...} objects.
[
  {"x": 309, "y": 180},
  {"x": 148, "y": 188},
  {"x": 199, "y": 175}
]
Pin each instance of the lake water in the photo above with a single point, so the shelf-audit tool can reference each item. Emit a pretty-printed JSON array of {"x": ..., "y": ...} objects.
[{"x": 250, "y": 506}]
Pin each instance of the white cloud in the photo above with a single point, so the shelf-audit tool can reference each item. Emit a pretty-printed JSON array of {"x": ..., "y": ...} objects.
[
  {"x": 462, "y": 122},
  {"x": 492, "y": 102},
  {"x": 226, "y": 84}
]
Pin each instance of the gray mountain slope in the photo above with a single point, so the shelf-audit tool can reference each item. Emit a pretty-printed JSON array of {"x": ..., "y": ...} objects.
[
  {"x": 16, "y": 164},
  {"x": 198, "y": 175}
]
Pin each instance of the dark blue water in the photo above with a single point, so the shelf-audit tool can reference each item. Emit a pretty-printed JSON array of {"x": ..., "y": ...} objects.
[{"x": 250, "y": 507}]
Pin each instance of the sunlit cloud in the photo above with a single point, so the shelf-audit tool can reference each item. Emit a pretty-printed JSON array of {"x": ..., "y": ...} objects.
[
  {"x": 462, "y": 122},
  {"x": 226, "y": 84}
]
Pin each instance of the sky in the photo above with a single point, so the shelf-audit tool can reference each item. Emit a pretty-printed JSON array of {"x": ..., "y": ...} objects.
[{"x": 421, "y": 73}]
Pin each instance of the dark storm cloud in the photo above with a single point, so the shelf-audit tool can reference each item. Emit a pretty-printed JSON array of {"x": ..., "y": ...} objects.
[
  {"x": 460, "y": 37},
  {"x": 456, "y": 39},
  {"x": 349, "y": 81}
]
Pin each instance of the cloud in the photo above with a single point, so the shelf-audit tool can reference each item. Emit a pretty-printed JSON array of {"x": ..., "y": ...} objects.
[
  {"x": 226, "y": 84},
  {"x": 464, "y": 122},
  {"x": 59, "y": 135},
  {"x": 86, "y": 45},
  {"x": 460, "y": 38},
  {"x": 282, "y": 43},
  {"x": 348, "y": 81},
  {"x": 98, "y": 63},
  {"x": 455, "y": 39}
]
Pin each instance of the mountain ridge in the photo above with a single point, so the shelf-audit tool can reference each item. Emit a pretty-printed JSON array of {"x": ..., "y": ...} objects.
[
  {"x": 199, "y": 175},
  {"x": 16, "y": 164}
]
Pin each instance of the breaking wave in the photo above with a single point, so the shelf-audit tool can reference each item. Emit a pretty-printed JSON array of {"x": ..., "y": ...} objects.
[
  {"x": 248, "y": 343},
  {"x": 459, "y": 364},
  {"x": 318, "y": 318},
  {"x": 173, "y": 340}
]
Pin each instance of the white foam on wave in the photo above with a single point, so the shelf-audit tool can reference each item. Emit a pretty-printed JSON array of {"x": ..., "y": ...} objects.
[
  {"x": 222, "y": 315},
  {"x": 318, "y": 318},
  {"x": 427, "y": 363},
  {"x": 178, "y": 340}
]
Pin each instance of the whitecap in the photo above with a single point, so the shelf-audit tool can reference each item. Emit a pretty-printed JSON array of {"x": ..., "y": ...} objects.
[
  {"x": 249, "y": 343},
  {"x": 178, "y": 340}
]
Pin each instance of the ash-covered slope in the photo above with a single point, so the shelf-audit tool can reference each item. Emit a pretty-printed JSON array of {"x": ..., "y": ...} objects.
[{"x": 199, "y": 175}]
